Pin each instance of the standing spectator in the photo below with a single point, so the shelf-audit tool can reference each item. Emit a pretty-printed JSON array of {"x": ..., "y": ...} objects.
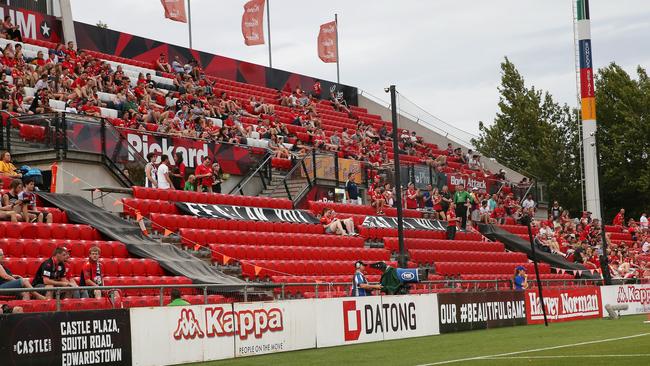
[
  {"x": 92, "y": 272},
  {"x": 427, "y": 198},
  {"x": 619, "y": 219},
  {"x": 643, "y": 222},
  {"x": 176, "y": 299},
  {"x": 411, "y": 197},
  {"x": 388, "y": 195},
  {"x": 164, "y": 181},
  {"x": 528, "y": 205},
  {"x": 520, "y": 279},
  {"x": 9, "y": 280},
  {"x": 436, "y": 200},
  {"x": 178, "y": 173},
  {"x": 351, "y": 190},
  {"x": 452, "y": 222},
  {"x": 217, "y": 177},
  {"x": 7, "y": 168},
  {"x": 29, "y": 200},
  {"x": 462, "y": 202},
  {"x": 150, "y": 170},
  {"x": 316, "y": 89},
  {"x": 53, "y": 273},
  {"x": 360, "y": 285},
  {"x": 446, "y": 198},
  {"x": 556, "y": 211},
  {"x": 203, "y": 174},
  {"x": 162, "y": 64}
]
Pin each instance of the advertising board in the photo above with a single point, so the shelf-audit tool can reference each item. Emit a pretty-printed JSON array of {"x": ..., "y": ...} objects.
[
  {"x": 636, "y": 297},
  {"x": 480, "y": 310},
  {"x": 564, "y": 305}
]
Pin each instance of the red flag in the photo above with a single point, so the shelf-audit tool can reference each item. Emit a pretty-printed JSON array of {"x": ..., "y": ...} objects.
[
  {"x": 174, "y": 10},
  {"x": 252, "y": 23},
  {"x": 327, "y": 42}
]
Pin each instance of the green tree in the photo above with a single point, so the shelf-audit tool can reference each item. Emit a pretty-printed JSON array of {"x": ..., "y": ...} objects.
[
  {"x": 623, "y": 111},
  {"x": 534, "y": 135}
]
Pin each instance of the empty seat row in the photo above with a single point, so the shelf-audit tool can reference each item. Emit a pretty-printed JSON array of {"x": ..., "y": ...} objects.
[
  {"x": 131, "y": 206},
  {"x": 40, "y": 248},
  {"x": 266, "y": 268},
  {"x": 518, "y": 229},
  {"x": 320, "y": 279},
  {"x": 211, "y": 198},
  {"x": 295, "y": 253},
  {"x": 27, "y": 267},
  {"x": 457, "y": 268},
  {"x": 175, "y": 222},
  {"x": 48, "y": 231},
  {"x": 192, "y": 237},
  {"x": 434, "y": 256},
  {"x": 381, "y": 233},
  {"x": 148, "y": 281},
  {"x": 392, "y": 243}
]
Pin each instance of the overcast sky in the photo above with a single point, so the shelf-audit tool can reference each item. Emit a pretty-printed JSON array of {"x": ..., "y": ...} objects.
[{"x": 443, "y": 55}]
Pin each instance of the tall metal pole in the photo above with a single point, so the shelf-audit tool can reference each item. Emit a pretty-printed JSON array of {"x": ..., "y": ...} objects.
[
  {"x": 189, "y": 21},
  {"x": 604, "y": 258},
  {"x": 398, "y": 182},
  {"x": 527, "y": 219},
  {"x": 336, "y": 22},
  {"x": 268, "y": 28}
]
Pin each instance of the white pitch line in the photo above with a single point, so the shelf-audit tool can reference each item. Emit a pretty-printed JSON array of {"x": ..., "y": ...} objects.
[
  {"x": 534, "y": 350},
  {"x": 565, "y": 356}
]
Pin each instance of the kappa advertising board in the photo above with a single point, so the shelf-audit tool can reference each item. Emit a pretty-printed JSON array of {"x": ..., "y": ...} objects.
[
  {"x": 564, "y": 305},
  {"x": 636, "y": 297},
  {"x": 480, "y": 310},
  {"x": 375, "y": 318},
  {"x": 221, "y": 331},
  {"x": 66, "y": 338}
]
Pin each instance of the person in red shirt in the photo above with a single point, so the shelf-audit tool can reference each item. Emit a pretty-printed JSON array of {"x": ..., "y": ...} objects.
[
  {"x": 331, "y": 224},
  {"x": 203, "y": 174},
  {"x": 619, "y": 219},
  {"x": 92, "y": 271},
  {"x": 377, "y": 199},
  {"x": 411, "y": 197},
  {"x": 316, "y": 89}
]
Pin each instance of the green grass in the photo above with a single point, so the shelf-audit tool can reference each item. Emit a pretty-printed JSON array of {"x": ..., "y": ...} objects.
[{"x": 426, "y": 350}]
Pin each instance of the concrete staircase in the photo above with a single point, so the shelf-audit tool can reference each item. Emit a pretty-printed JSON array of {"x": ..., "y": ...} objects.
[{"x": 276, "y": 188}]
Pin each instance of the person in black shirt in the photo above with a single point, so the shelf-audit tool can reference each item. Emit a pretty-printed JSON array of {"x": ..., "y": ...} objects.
[
  {"x": 352, "y": 190},
  {"x": 52, "y": 273}
]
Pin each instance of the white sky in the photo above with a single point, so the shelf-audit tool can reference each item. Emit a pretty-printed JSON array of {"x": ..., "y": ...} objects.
[{"x": 442, "y": 54}]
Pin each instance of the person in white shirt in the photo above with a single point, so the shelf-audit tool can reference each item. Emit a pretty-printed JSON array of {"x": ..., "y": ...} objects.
[
  {"x": 528, "y": 205},
  {"x": 164, "y": 181},
  {"x": 643, "y": 222}
]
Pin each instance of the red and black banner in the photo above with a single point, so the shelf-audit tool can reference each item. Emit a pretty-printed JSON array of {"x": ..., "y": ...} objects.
[
  {"x": 125, "y": 45},
  {"x": 33, "y": 24}
]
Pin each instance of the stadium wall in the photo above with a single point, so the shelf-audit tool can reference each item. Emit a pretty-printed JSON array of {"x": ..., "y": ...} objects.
[{"x": 175, "y": 335}]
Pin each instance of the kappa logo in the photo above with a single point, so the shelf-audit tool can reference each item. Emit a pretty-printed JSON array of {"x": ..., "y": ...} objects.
[
  {"x": 222, "y": 322},
  {"x": 188, "y": 326}
]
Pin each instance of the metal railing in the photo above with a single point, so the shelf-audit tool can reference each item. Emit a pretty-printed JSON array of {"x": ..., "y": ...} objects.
[
  {"x": 264, "y": 172},
  {"x": 264, "y": 291}
]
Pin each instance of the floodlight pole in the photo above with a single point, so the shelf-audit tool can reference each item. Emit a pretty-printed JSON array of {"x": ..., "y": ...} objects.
[
  {"x": 398, "y": 183},
  {"x": 268, "y": 29},
  {"x": 189, "y": 21}
]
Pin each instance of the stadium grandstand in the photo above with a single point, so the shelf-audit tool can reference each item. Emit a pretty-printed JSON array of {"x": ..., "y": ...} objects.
[{"x": 146, "y": 173}]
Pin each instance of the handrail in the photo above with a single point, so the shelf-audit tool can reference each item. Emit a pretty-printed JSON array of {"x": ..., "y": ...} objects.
[
  {"x": 240, "y": 186},
  {"x": 296, "y": 165}
]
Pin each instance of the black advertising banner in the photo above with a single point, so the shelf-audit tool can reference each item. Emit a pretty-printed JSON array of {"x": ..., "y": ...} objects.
[
  {"x": 480, "y": 310},
  {"x": 247, "y": 213},
  {"x": 66, "y": 338},
  {"x": 409, "y": 223}
]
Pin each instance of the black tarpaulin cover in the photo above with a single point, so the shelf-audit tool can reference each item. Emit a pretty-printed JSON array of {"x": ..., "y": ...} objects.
[
  {"x": 517, "y": 244},
  {"x": 171, "y": 258}
]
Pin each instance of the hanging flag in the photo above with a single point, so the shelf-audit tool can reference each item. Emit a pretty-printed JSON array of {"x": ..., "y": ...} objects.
[
  {"x": 168, "y": 232},
  {"x": 75, "y": 180},
  {"x": 327, "y": 42},
  {"x": 174, "y": 10},
  {"x": 138, "y": 216},
  {"x": 226, "y": 259},
  {"x": 117, "y": 203},
  {"x": 252, "y": 23},
  {"x": 257, "y": 270}
]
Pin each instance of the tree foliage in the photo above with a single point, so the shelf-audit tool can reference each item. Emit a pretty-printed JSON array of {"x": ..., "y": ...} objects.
[
  {"x": 536, "y": 136},
  {"x": 623, "y": 112}
]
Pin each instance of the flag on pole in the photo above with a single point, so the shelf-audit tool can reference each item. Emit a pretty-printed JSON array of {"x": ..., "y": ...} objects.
[
  {"x": 252, "y": 23},
  {"x": 174, "y": 10},
  {"x": 327, "y": 42}
]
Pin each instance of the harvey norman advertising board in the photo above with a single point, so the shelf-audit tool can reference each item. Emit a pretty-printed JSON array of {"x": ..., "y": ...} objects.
[
  {"x": 220, "y": 331},
  {"x": 564, "y": 304},
  {"x": 375, "y": 318},
  {"x": 636, "y": 297}
]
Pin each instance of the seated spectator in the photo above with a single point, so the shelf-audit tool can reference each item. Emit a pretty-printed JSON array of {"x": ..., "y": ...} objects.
[
  {"x": 498, "y": 215},
  {"x": 12, "y": 281},
  {"x": 377, "y": 200},
  {"x": 54, "y": 273},
  {"x": 162, "y": 64},
  {"x": 7, "y": 168},
  {"x": 10, "y": 201},
  {"x": 28, "y": 197},
  {"x": 92, "y": 272},
  {"x": 177, "y": 299},
  {"x": 10, "y": 31},
  {"x": 388, "y": 195},
  {"x": 528, "y": 206},
  {"x": 331, "y": 224},
  {"x": 484, "y": 213},
  {"x": 619, "y": 219}
]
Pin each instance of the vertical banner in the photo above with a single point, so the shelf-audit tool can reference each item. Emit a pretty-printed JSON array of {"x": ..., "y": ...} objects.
[
  {"x": 252, "y": 23},
  {"x": 100, "y": 337},
  {"x": 327, "y": 42},
  {"x": 564, "y": 305},
  {"x": 174, "y": 10}
]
